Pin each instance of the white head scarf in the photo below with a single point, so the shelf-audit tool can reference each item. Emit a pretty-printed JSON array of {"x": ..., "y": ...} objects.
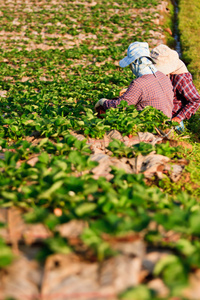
[{"x": 143, "y": 66}]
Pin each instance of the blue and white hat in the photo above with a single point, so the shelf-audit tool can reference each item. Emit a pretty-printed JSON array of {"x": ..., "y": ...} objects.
[{"x": 135, "y": 51}]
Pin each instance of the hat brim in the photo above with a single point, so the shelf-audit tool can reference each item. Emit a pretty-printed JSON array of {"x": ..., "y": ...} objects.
[
  {"x": 165, "y": 69},
  {"x": 126, "y": 61},
  {"x": 173, "y": 67},
  {"x": 181, "y": 68}
]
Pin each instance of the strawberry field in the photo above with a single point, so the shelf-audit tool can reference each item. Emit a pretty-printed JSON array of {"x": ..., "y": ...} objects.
[{"x": 90, "y": 208}]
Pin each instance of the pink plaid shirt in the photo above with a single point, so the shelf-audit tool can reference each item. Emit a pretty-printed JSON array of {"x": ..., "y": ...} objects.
[
  {"x": 147, "y": 90},
  {"x": 186, "y": 96}
]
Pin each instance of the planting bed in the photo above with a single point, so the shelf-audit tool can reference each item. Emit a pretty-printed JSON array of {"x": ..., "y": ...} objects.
[{"x": 90, "y": 208}]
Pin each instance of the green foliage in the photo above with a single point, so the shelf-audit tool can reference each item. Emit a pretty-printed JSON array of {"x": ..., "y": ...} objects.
[
  {"x": 167, "y": 150},
  {"x": 128, "y": 120},
  {"x": 101, "y": 248},
  {"x": 119, "y": 149},
  {"x": 140, "y": 292},
  {"x": 6, "y": 255},
  {"x": 143, "y": 148},
  {"x": 47, "y": 93},
  {"x": 174, "y": 272},
  {"x": 188, "y": 26}
]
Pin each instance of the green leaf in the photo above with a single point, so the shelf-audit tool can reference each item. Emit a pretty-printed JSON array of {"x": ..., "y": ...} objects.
[
  {"x": 194, "y": 223},
  {"x": 85, "y": 208},
  {"x": 140, "y": 292},
  {"x": 9, "y": 195},
  {"x": 44, "y": 157},
  {"x": 43, "y": 142},
  {"x": 185, "y": 247},
  {"x": 173, "y": 271},
  {"x": 47, "y": 194},
  {"x": 58, "y": 245},
  {"x": 6, "y": 255}
]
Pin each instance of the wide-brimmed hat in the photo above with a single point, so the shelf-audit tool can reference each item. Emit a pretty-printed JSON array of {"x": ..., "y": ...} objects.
[
  {"x": 135, "y": 51},
  {"x": 167, "y": 60}
]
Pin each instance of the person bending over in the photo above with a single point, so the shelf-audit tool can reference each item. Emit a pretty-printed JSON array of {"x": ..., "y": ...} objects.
[
  {"x": 186, "y": 99},
  {"x": 150, "y": 88}
]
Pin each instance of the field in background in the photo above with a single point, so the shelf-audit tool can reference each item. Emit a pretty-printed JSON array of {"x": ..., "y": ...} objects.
[{"x": 189, "y": 34}]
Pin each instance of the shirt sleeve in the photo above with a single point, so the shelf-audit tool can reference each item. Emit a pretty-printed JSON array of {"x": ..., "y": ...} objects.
[
  {"x": 187, "y": 89},
  {"x": 132, "y": 96}
]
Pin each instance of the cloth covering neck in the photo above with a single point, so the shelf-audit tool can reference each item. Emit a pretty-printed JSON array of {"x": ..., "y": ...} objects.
[{"x": 143, "y": 66}]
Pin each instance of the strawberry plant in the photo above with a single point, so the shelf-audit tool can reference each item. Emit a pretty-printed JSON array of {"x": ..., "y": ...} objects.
[{"x": 119, "y": 149}]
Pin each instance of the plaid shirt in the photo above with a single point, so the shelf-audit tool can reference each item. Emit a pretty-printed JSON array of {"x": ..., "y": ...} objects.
[
  {"x": 147, "y": 90},
  {"x": 186, "y": 96}
]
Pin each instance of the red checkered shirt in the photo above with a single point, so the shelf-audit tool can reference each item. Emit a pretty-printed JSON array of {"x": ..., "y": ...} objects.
[
  {"x": 147, "y": 90},
  {"x": 186, "y": 96}
]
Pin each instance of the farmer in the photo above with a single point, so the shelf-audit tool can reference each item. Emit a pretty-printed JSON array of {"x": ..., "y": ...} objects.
[
  {"x": 151, "y": 87},
  {"x": 186, "y": 97}
]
